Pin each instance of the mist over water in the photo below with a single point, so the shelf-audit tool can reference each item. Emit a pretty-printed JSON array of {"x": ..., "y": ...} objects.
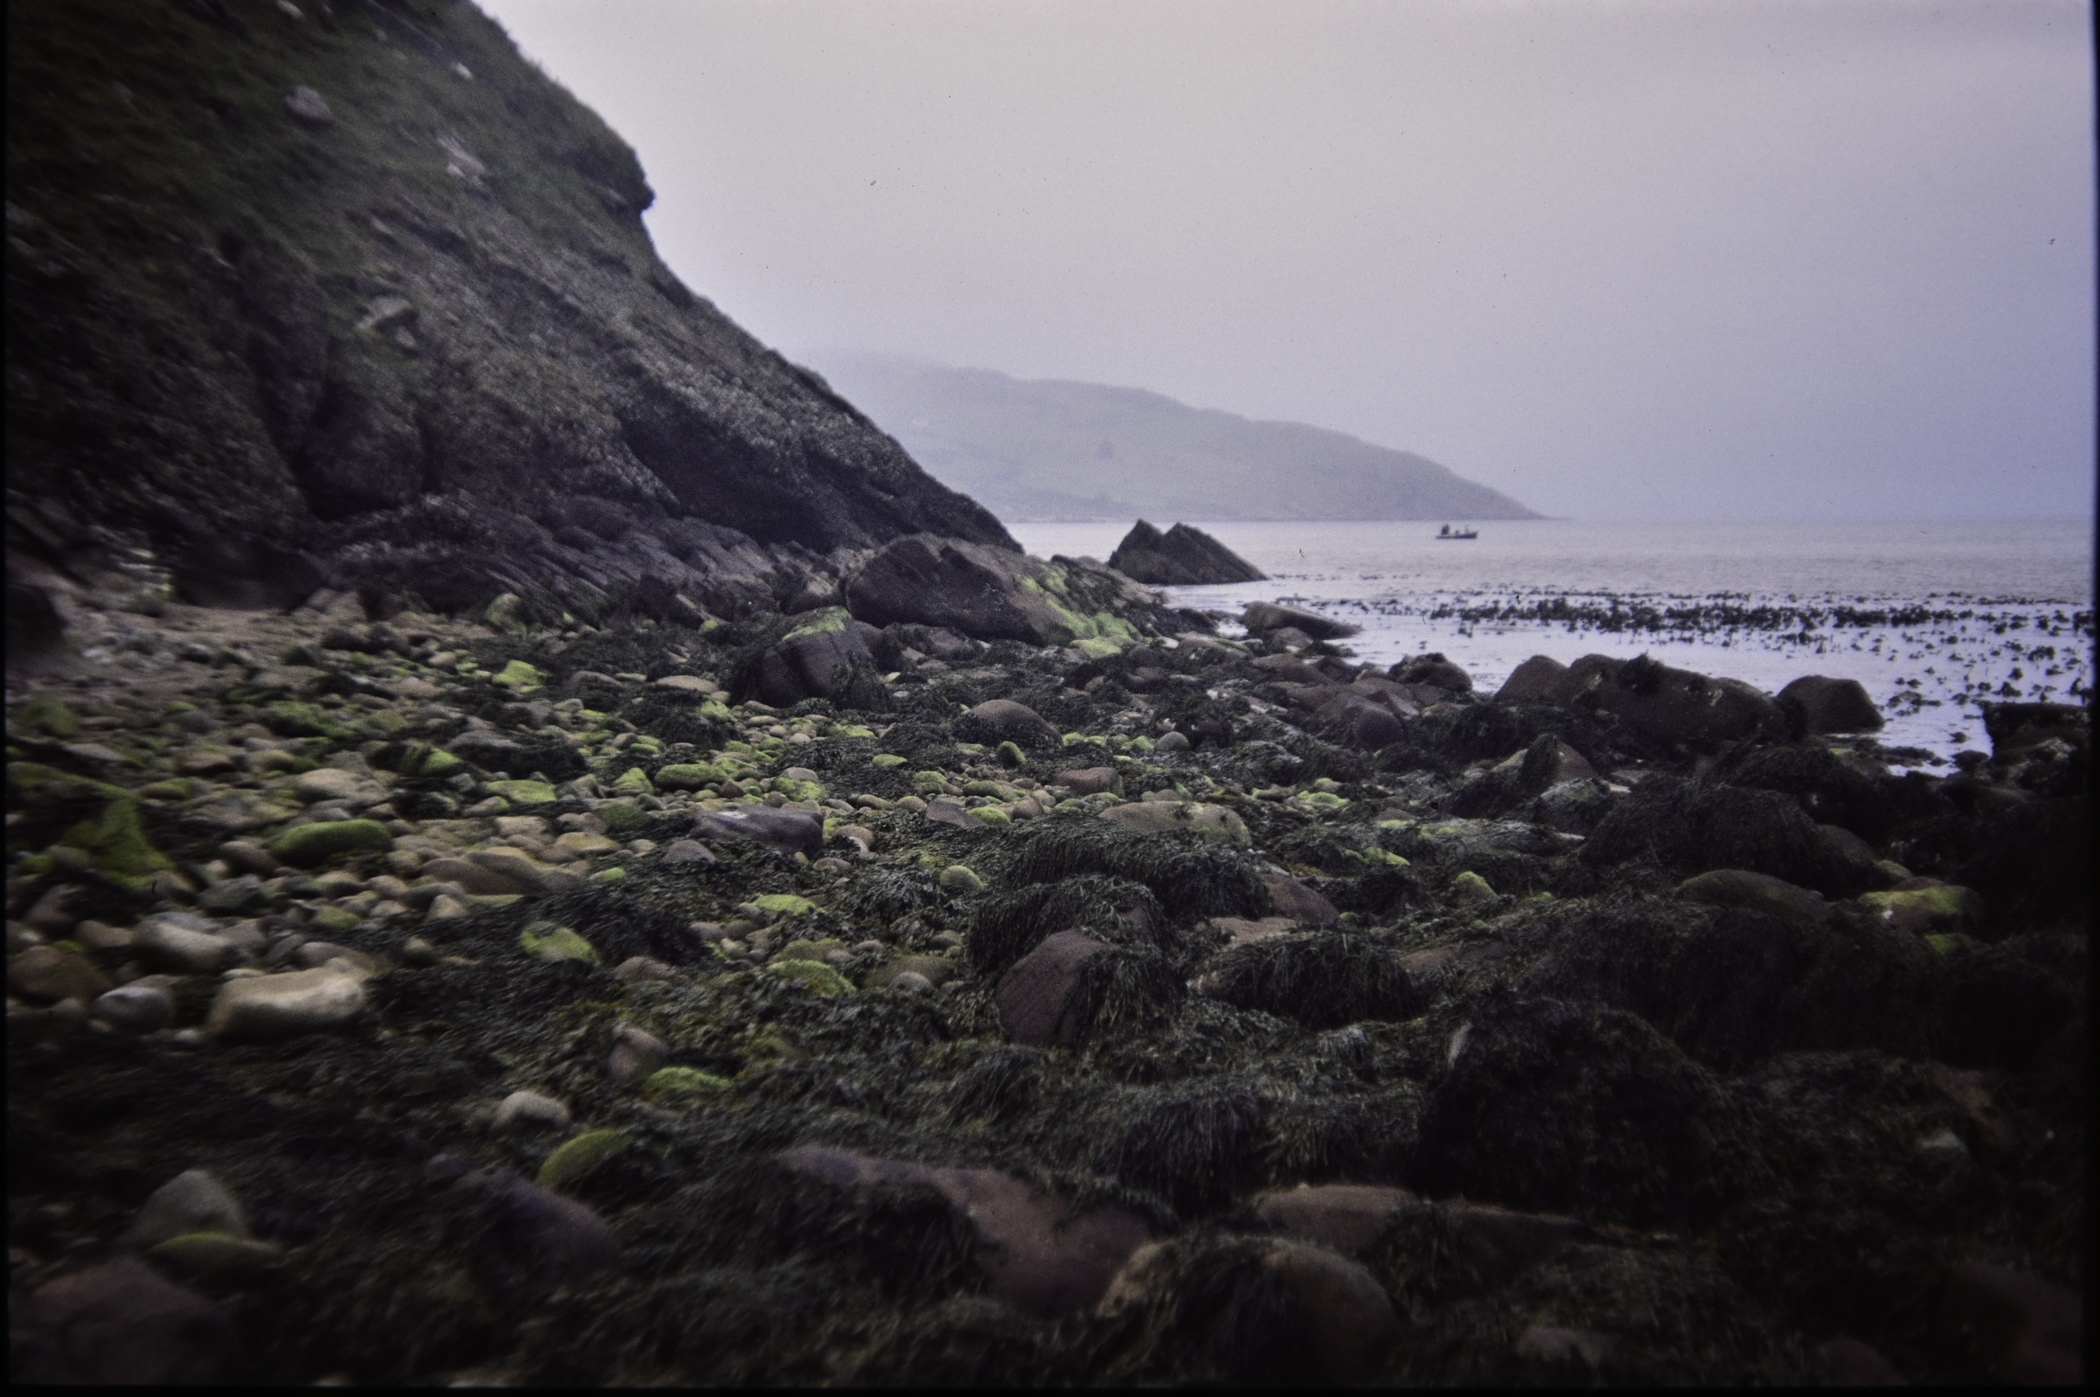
[{"x": 1933, "y": 618}]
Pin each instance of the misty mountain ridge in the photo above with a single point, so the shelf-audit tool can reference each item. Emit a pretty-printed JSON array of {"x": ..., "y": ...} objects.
[{"x": 1060, "y": 450}]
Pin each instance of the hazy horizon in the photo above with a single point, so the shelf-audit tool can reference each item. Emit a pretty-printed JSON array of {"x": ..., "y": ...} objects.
[{"x": 1624, "y": 260}]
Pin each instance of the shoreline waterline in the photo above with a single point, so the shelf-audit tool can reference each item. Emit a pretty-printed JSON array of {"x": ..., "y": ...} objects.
[{"x": 1934, "y": 619}]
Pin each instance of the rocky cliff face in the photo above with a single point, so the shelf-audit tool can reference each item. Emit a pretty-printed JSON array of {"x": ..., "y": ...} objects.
[{"x": 351, "y": 292}]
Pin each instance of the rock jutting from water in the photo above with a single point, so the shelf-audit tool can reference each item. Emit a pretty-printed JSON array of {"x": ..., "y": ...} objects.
[
  {"x": 1181, "y": 557},
  {"x": 545, "y": 1005}
]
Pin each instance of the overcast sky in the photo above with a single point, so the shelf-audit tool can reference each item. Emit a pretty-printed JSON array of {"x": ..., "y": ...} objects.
[{"x": 1618, "y": 258}]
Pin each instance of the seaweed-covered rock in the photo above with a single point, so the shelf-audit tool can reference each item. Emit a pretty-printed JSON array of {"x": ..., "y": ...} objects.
[
  {"x": 1673, "y": 706},
  {"x": 1579, "y": 1109},
  {"x": 1191, "y": 876},
  {"x": 1071, "y": 988},
  {"x": 1734, "y": 984},
  {"x": 1008, "y": 925},
  {"x": 1690, "y": 827},
  {"x": 1320, "y": 979},
  {"x": 1833, "y": 789}
]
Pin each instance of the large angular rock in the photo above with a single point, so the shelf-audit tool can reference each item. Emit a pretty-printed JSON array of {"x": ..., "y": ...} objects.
[
  {"x": 1180, "y": 557},
  {"x": 993, "y": 594},
  {"x": 817, "y": 659}
]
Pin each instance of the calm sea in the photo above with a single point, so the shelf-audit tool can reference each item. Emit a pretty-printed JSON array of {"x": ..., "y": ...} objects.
[{"x": 1932, "y": 618}]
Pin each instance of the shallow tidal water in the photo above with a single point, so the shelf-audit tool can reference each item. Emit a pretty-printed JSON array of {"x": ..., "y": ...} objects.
[{"x": 1933, "y": 618}]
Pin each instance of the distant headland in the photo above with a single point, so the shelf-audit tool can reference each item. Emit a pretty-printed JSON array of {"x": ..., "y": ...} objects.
[{"x": 1045, "y": 450}]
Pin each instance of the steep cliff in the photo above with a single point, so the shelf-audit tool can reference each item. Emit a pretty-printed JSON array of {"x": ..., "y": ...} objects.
[{"x": 354, "y": 291}]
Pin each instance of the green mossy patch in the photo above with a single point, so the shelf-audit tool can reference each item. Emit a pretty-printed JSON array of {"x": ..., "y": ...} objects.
[
  {"x": 46, "y": 714},
  {"x": 309, "y": 845},
  {"x": 521, "y": 677},
  {"x": 781, "y": 906},
  {"x": 548, "y": 942},
  {"x": 684, "y": 1081},
  {"x": 116, "y": 844},
  {"x": 814, "y": 975},
  {"x": 623, "y": 817},
  {"x": 578, "y": 1156},
  {"x": 524, "y": 792}
]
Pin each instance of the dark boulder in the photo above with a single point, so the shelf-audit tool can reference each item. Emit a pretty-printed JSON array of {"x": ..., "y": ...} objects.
[
  {"x": 1181, "y": 557},
  {"x": 1007, "y": 720},
  {"x": 1675, "y": 707},
  {"x": 1574, "y": 1108},
  {"x": 1830, "y": 705},
  {"x": 2016, "y": 727},
  {"x": 1690, "y": 827},
  {"x": 783, "y": 831},
  {"x": 1037, "y": 1253},
  {"x": 1540, "y": 679},
  {"x": 541, "y": 1239},
  {"x": 1434, "y": 670},
  {"x": 1263, "y": 616}
]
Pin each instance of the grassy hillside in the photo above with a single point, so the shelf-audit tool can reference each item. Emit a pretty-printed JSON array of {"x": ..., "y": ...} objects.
[{"x": 1054, "y": 450}]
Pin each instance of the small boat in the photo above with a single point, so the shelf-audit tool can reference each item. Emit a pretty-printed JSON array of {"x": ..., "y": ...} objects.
[{"x": 1447, "y": 533}]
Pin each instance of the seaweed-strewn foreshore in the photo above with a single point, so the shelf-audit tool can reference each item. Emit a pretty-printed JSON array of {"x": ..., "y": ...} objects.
[{"x": 405, "y": 999}]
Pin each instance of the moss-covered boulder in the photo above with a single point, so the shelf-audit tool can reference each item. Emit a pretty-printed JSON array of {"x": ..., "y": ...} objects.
[
  {"x": 547, "y": 942},
  {"x": 309, "y": 845}
]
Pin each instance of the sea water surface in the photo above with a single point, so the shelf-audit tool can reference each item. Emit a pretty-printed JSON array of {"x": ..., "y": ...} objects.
[{"x": 1933, "y": 618}]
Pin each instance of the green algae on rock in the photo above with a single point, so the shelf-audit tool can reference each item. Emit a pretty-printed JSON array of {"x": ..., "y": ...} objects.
[
  {"x": 548, "y": 942},
  {"x": 576, "y": 1157},
  {"x": 308, "y": 845}
]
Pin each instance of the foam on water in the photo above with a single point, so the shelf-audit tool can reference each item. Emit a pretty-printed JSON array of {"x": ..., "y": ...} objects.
[{"x": 1932, "y": 618}]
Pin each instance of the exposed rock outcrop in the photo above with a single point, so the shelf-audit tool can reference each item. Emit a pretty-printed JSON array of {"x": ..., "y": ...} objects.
[
  {"x": 1180, "y": 557},
  {"x": 421, "y": 345},
  {"x": 992, "y": 594}
]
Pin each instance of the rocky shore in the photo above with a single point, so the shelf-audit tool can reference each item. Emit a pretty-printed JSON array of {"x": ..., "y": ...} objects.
[{"x": 827, "y": 998}]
